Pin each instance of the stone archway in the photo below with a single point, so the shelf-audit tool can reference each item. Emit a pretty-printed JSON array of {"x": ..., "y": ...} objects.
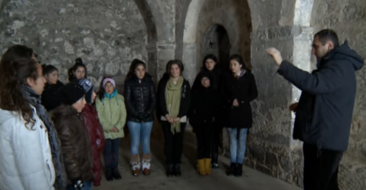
[
  {"x": 233, "y": 15},
  {"x": 253, "y": 26},
  {"x": 151, "y": 47},
  {"x": 217, "y": 42}
]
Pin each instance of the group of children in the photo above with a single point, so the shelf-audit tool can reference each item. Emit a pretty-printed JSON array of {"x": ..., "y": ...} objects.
[{"x": 75, "y": 125}]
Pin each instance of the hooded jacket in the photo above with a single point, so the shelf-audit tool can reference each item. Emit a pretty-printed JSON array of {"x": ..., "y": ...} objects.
[
  {"x": 25, "y": 159},
  {"x": 112, "y": 113},
  {"x": 75, "y": 144},
  {"x": 205, "y": 103},
  {"x": 324, "y": 112}
]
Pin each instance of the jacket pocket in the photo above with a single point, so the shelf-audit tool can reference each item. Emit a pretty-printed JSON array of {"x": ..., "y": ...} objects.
[{"x": 50, "y": 171}]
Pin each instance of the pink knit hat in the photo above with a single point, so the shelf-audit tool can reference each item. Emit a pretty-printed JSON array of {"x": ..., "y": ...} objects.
[{"x": 109, "y": 80}]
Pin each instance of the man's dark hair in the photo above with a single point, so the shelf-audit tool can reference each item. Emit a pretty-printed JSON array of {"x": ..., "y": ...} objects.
[{"x": 327, "y": 35}]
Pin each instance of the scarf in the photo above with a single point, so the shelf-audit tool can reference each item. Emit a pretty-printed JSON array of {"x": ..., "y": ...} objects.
[
  {"x": 173, "y": 94},
  {"x": 35, "y": 100},
  {"x": 110, "y": 96}
]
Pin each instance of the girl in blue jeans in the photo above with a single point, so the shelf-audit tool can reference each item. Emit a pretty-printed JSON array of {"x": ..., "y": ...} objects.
[
  {"x": 140, "y": 104},
  {"x": 239, "y": 89}
]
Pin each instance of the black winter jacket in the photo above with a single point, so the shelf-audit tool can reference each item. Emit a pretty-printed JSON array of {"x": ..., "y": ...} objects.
[
  {"x": 185, "y": 101},
  {"x": 50, "y": 98},
  {"x": 244, "y": 89},
  {"x": 140, "y": 99},
  {"x": 203, "y": 112},
  {"x": 324, "y": 112}
]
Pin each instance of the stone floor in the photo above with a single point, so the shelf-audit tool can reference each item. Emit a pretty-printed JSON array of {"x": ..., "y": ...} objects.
[{"x": 190, "y": 180}]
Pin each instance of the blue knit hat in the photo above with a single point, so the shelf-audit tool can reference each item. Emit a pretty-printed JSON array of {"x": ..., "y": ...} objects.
[{"x": 74, "y": 91}]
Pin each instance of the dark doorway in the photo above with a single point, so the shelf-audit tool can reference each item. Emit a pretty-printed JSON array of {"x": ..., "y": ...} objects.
[{"x": 217, "y": 42}]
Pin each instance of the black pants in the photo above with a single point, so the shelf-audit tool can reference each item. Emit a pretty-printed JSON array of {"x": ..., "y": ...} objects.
[
  {"x": 204, "y": 142},
  {"x": 321, "y": 168},
  {"x": 215, "y": 142},
  {"x": 173, "y": 143}
]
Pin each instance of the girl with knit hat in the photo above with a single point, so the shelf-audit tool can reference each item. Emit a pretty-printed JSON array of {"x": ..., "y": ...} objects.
[
  {"x": 112, "y": 116},
  {"x": 73, "y": 134}
]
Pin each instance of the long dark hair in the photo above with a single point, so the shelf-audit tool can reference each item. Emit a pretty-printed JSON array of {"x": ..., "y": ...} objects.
[
  {"x": 134, "y": 64},
  {"x": 101, "y": 90},
  {"x": 13, "y": 76},
  {"x": 78, "y": 63},
  {"x": 16, "y": 52},
  {"x": 213, "y": 58},
  {"x": 169, "y": 65},
  {"x": 240, "y": 60},
  {"x": 47, "y": 69}
]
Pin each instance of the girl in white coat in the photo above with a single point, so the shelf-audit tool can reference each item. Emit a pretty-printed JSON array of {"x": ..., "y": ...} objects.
[{"x": 25, "y": 158}]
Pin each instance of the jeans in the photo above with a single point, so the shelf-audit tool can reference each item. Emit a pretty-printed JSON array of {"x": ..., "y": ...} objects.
[
  {"x": 173, "y": 144},
  {"x": 237, "y": 148},
  {"x": 87, "y": 186},
  {"x": 111, "y": 153},
  {"x": 140, "y": 132},
  {"x": 321, "y": 168}
]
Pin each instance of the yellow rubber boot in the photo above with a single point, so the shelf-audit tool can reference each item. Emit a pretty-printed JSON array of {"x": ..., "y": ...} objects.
[
  {"x": 201, "y": 167},
  {"x": 208, "y": 165}
]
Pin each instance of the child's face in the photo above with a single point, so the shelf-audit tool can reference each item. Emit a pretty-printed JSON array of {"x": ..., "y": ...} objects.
[
  {"x": 205, "y": 82},
  {"x": 109, "y": 88},
  {"x": 79, "y": 105}
]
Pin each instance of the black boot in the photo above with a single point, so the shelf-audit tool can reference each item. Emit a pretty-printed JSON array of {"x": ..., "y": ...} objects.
[
  {"x": 232, "y": 169},
  {"x": 108, "y": 175},
  {"x": 238, "y": 170},
  {"x": 215, "y": 160},
  {"x": 177, "y": 171},
  {"x": 170, "y": 170},
  {"x": 116, "y": 174}
]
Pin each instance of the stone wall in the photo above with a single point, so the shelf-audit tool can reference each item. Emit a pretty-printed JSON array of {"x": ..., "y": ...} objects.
[
  {"x": 348, "y": 19},
  {"x": 252, "y": 27},
  {"x": 107, "y": 35}
]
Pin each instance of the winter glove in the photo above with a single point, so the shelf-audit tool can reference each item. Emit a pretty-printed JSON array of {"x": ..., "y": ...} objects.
[{"x": 78, "y": 184}]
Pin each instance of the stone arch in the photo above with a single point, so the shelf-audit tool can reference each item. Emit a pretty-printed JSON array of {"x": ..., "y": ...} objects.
[
  {"x": 147, "y": 15},
  {"x": 233, "y": 15},
  {"x": 216, "y": 41}
]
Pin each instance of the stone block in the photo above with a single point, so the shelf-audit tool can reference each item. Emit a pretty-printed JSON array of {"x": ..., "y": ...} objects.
[
  {"x": 271, "y": 160},
  {"x": 279, "y": 32}
]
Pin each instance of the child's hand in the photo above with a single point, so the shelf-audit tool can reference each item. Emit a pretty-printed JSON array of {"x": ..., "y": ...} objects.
[
  {"x": 169, "y": 119},
  {"x": 235, "y": 103},
  {"x": 176, "y": 119},
  {"x": 114, "y": 129}
]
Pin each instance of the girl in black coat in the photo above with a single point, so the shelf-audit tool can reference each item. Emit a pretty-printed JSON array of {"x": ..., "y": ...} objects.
[
  {"x": 50, "y": 94},
  {"x": 174, "y": 99},
  {"x": 140, "y": 102},
  {"x": 202, "y": 117},
  {"x": 239, "y": 89},
  {"x": 210, "y": 65}
]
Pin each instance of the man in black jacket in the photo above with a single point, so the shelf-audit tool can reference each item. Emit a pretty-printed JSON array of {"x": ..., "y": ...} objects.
[{"x": 324, "y": 111}]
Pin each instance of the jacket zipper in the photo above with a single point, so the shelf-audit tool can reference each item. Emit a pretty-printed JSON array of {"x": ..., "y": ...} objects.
[{"x": 142, "y": 98}]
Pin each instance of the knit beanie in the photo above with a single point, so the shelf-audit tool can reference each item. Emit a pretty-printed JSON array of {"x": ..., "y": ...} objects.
[
  {"x": 110, "y": 80},
  {"x": 74, "y": 91}
]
